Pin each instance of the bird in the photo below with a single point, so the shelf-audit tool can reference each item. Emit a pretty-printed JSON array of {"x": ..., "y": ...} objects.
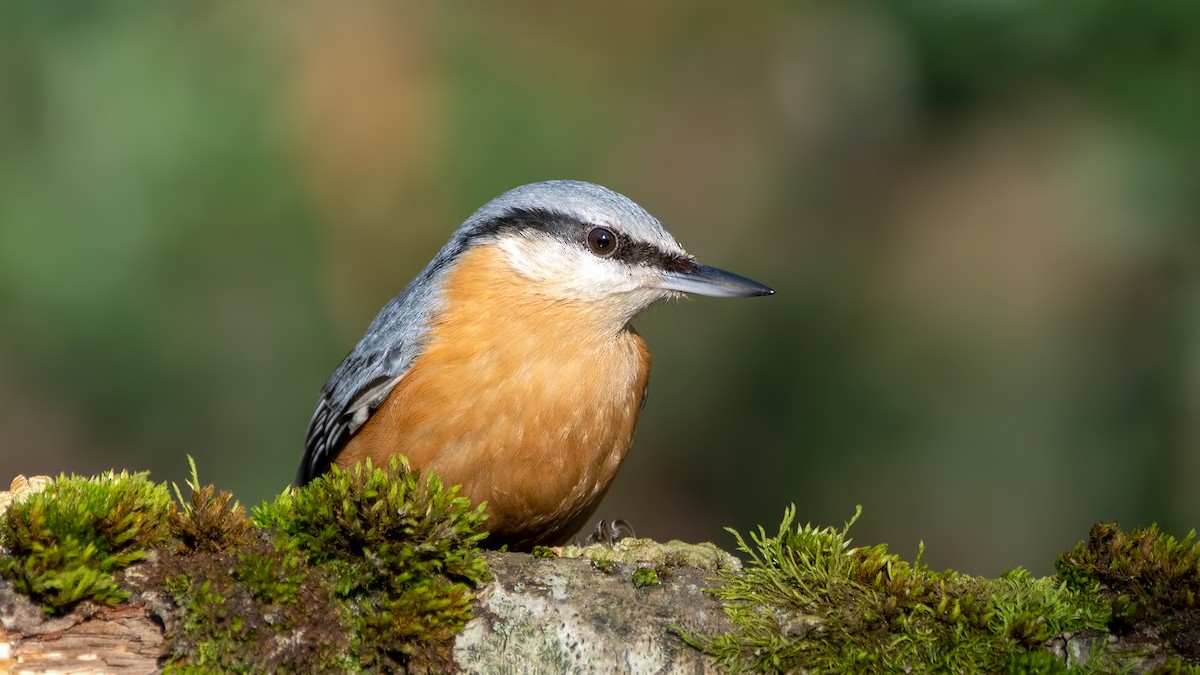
[{"x": 509, "y": 365}]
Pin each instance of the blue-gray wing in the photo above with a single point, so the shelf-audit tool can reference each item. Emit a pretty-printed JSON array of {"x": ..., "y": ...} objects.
[
  {"x": 362, "y": 382},
  {"x": 341, "y": 412}
]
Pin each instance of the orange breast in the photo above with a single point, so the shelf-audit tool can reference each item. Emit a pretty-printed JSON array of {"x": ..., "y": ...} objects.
[{"x": 526, "y": 401}]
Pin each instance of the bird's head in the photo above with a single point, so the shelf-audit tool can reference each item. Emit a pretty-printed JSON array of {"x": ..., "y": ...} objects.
[{"x": 578, "y": 241}]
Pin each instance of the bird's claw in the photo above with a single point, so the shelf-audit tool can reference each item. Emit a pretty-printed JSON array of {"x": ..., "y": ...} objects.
[{"x": 609, "y": 532}]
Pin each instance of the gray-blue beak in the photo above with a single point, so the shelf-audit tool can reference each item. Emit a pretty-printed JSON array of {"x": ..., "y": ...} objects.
[{"x": 713, "y": 282}]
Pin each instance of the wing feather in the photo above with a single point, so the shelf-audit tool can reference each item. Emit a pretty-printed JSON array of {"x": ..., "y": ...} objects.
[
  {"x": 368, "y": 374},
  {"x": 330, "y": 430}
]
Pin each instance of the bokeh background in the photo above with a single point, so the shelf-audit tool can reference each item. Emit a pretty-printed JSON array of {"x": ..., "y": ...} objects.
[{"x": 982, "y": 220}]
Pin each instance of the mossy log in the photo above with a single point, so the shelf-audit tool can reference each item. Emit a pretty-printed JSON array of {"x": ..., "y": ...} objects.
[
  {"x": 538, "y": 614},
  {"x": 377, "y": 570}
]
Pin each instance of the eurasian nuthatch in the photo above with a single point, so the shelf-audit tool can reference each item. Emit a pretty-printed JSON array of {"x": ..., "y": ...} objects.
[{"x": 509, "y": 364}]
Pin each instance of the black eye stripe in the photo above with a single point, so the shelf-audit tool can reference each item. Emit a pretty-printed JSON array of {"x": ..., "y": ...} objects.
[
  {"x": 638, "y": 253},
  {"x": 558, "y": 224}
]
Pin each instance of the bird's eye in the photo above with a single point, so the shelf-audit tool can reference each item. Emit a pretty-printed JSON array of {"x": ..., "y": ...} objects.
[{"x": 602, "y": 241}]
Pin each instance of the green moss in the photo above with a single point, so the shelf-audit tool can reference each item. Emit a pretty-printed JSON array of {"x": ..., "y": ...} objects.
[
  {"x": 605, "y": 565},
  {"x": 543, "y": 552},
  {"x": 388, "y": 556},
  {"x": 646, "y": 576},
  {"x": 244, "y": 596},
  {"x": 402, "y": 555},
  {"x": 65, "y": 542},
  {"x": 252, "y": 614},
  {"x": 1149, "y": 568},
  {"x": 1145, "y": 577},
  {"x": 272, "y": 576},
  {"x": 204, "y": 611},
  {"x": 208, "y": 521},
  {"x": 631, "y": 550},
  {"x": 1174, "y": 666},
  {"x": 1036, "y": 663},
  {"x": 807, "y": 600}
]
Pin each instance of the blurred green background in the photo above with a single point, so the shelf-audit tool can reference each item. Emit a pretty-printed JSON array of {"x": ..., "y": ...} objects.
[{"x": 982, "y": 220}]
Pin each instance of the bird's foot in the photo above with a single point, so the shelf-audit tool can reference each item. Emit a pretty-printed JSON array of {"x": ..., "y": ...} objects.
[{"x": 610, "y": 532}]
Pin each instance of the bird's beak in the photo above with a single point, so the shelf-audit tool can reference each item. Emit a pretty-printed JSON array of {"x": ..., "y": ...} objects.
[{"x": 713, "y": 282}]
